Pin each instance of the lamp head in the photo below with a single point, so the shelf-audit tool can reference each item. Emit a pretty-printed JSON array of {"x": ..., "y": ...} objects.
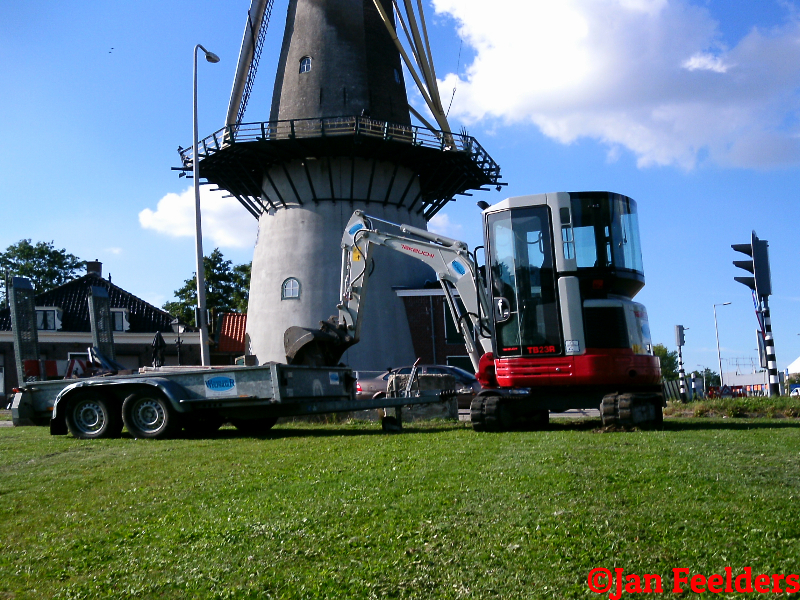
[{"x": 211, "y": 57}]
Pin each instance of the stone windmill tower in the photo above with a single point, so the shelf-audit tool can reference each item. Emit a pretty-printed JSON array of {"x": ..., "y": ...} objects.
[{"x": 339, "y": 138}]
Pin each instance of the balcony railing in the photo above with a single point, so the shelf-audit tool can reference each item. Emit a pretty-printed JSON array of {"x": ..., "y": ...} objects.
[{"x": 301, "y": 129}]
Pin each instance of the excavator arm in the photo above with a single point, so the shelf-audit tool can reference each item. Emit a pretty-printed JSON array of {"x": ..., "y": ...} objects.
[{"x": 451, "y": 260}]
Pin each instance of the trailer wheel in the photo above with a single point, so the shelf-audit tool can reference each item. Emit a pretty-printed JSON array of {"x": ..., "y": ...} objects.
[
  {"x": 91, "y": 416},
  {"x": 255, "y": 426},
  {"x": 148, "y": 415}
]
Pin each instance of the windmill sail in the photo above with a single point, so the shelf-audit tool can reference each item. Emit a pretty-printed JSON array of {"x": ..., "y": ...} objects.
[{"x": 252, "y": 42}]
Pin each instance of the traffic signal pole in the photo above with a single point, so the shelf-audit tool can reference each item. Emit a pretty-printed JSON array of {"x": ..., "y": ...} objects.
[
  {"x": 680, "y": 340},
  {"x": 761, "y": 284},
  {"x": 769, "y": 343}
]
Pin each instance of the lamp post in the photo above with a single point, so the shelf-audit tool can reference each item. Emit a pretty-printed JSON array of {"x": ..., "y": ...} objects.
[
  {"x": 178, "y": 328},
  {"x": 198, "y": 234},
  {"x": 716, "y": 330}
]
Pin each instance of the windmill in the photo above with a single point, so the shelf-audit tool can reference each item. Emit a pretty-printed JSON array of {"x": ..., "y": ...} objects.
[{"x": 339, "y": 138}]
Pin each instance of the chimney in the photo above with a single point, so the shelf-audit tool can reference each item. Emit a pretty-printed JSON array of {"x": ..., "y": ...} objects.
[{"x": 94, "y": 266}]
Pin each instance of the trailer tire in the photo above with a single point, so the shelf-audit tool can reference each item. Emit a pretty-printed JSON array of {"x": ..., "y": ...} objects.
[
  {"x": 147, "y": 414},
  {"x": 255, "y": 426},
  {"x": 91, "y": 416}
]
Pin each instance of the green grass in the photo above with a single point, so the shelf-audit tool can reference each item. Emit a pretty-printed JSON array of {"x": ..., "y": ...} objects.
[
  {"x": 5, "y": 415},
  {"x": 754, "y": 406},
  {"x": 343, "y": 511}
]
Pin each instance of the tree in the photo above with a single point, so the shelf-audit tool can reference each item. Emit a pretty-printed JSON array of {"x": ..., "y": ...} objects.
[
  {"x": 46, "y": 266},
  {"x": 669, "y": 361},
  {"x": 227, "y": 289}
]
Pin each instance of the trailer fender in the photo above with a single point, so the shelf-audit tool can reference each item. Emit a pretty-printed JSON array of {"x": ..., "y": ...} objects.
[{"x": 120, "y": 388}]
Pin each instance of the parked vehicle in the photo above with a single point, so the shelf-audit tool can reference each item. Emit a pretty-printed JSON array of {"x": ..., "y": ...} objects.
[{"x": 468, "y": 386}]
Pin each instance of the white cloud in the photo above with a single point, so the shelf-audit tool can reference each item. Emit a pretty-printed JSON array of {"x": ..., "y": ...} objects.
[
  {"x": 705, "y": 62},
  {"x": 441, "y": 224},
  {"x": 224, "y": 221},
  {"x": 647, "y": 75},
  {"x": 113, "y": 250}
]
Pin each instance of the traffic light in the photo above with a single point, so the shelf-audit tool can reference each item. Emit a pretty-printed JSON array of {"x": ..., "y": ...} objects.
[
  {"x": 680, "y": 338},
  {"x": 758, "y": 250}
]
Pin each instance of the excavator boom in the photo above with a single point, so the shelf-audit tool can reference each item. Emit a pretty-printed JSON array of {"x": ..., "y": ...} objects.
[{"x": 455, "y": 270}]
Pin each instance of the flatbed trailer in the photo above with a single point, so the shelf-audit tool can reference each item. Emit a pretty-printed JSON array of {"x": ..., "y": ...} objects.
[{"x": 158, "y": 403}]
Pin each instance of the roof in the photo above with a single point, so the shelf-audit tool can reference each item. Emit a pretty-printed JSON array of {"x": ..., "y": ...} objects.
[
  {"x": 794, "y": 367},
  {"x": 71, "y": 299},
  {"x": 231, "y": 332}
]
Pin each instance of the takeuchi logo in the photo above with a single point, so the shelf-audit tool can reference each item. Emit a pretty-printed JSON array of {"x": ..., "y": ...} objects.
[
  {"x": 417, "y": 251},
  {"x": 221, "y": 384}
]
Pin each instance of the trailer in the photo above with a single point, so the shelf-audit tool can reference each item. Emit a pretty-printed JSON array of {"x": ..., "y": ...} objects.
[{"x": 159, "y": 403}]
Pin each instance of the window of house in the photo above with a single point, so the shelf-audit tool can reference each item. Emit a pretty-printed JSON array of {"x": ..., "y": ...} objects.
[
  {"x": 290, "y": 289},
  {"x": 305, "y": 64},
  {"x": 46, "y": 319},
  {"x": 396, "y": 76},
  {"x": 119, "y": 320}
]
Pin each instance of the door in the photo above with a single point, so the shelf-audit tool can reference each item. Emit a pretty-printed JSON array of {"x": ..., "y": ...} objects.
[{"x": 523, "y": 283}]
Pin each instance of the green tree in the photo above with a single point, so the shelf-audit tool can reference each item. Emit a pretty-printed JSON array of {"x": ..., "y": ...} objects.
[
  {"x": 669, "y": 361},
  {"x": 227, "y": 289},
  {"x": 42, "y": 263}
]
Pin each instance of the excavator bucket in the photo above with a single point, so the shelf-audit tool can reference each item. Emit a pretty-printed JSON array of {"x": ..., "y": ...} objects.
[{"x": 321, "y": 347}]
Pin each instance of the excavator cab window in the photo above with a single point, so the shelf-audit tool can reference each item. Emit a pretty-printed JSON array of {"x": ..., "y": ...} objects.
[
  {"x": 523, "y": 278},
  {"x": 606, "y": 232}
]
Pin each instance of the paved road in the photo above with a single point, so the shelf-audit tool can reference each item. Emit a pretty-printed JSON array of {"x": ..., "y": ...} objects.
[{"x": 463, "y": 414}]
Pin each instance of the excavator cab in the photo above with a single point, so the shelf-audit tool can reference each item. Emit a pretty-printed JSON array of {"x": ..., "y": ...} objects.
[{"x": 562, "y": 270}]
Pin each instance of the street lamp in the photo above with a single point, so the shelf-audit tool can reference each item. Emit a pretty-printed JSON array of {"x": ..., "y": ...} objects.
[
  {"x": 198, "y": 234},
  {"x": 178, "y": 328},
  {"x": 716, "y": 330}
]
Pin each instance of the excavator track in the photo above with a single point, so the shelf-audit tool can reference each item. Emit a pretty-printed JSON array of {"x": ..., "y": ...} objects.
[
  {"x": 501, "y": 413},
  {"x": 628, "y": 410},
  {"x": 489, "y": 413}
]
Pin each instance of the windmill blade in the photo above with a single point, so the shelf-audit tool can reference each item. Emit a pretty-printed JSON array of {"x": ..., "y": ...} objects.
[
  {"x": 255, "y": 31},
  {"x": 429, "y": 89}
]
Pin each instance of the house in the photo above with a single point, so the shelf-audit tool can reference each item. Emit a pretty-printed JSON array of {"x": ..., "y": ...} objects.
[
  {"x": 433, "y": 332},
  {"x": 64, "y": 331}
]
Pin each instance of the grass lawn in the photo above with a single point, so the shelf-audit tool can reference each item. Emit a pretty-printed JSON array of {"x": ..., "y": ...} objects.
[{"x": 344, "y": 511}]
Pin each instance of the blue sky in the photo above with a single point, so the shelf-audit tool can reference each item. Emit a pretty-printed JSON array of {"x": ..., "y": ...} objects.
[{"x": 691, "y": 108}]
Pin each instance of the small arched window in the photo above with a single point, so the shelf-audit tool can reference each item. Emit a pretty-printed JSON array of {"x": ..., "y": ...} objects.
[
  {"x": 305, "y": 64},
  {"x": 290, "y": 290}
]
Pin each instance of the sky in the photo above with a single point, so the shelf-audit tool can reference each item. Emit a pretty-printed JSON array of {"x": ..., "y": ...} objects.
[{"x": 691, "y": 107}]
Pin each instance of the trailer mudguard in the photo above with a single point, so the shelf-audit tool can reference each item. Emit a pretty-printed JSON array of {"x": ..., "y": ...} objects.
[{"x": 172, "y": 391}]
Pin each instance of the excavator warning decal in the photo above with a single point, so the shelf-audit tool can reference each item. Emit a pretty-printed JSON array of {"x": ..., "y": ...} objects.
[{"x": 357, "y": 256}]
